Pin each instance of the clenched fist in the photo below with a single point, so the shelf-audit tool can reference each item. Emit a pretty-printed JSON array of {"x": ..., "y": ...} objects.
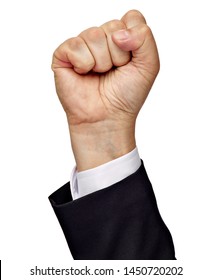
[{"x": 102, "y": 78}]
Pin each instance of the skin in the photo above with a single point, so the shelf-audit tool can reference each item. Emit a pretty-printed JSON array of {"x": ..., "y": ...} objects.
[{"x": 102, "y": 78}]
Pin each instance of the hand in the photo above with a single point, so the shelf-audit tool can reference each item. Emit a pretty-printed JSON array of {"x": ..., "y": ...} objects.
[{"x": 103, "y": 77}]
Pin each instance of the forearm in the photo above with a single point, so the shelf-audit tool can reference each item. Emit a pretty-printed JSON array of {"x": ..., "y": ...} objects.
[{"x": 98, "y": 143}]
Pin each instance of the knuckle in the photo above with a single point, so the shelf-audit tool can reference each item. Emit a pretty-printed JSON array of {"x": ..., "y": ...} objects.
[
  {"x": 147, "y": 31},
  {"x": 135, "y": 14},
  {"x": 121, "y": 60},
  {"x": 78, "y": 55},
  {"x": 114, "y": 25},
  {"x": 102, "y": 68},
  {"x": 93, "y": 34},
  {"x": 55, "y": 59},
  {"x": 53, "y": 68},
  {"x": 75, "y": 43},
  {"x": 79, "y": 64},
  {"x": 84, "y": 64}
]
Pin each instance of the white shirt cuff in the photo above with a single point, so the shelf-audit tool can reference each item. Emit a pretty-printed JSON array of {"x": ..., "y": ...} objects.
[{"x": 95, "y": 179}]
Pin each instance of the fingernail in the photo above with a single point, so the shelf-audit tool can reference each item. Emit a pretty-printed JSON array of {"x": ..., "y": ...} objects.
[{"x": 121, "y": 34}]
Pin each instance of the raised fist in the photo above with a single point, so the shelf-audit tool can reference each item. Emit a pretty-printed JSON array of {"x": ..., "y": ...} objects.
[
  {"x": 106, "y": 72},
  {"x": 104, "y": 75}
]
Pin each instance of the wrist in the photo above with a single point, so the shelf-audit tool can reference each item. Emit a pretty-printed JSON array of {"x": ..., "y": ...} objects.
[{"x": 98, "y": 143}]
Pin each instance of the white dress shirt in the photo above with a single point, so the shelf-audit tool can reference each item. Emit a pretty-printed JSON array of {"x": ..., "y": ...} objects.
[{"x": 105, "y": 175}]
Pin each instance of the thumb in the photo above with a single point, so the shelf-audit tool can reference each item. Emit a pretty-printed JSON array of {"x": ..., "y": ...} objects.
[{"x": 140, "y": 41}]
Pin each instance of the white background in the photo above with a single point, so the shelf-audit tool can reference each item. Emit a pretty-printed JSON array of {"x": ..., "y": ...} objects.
[{"x": 173, "y": 129}]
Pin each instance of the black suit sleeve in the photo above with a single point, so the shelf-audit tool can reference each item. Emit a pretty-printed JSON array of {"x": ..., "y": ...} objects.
[{"x": 117, "y": 223}]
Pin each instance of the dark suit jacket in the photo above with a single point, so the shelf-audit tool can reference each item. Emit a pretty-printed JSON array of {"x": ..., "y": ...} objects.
[{"x": 117, "y": 223}]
